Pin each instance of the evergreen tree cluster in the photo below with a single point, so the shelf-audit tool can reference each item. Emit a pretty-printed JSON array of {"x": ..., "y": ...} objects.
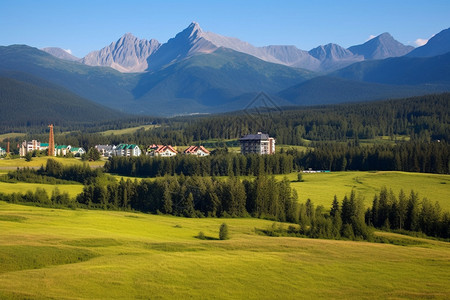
[
  {"x": 227, "y": 164},
  {"x": 263, "y": 197},
  {"x": 408, "y": 213},
  {"x": 41, "y": 198},
  {"x": 427, "y": 157},
  {"x": 55, "y": 172},
  {"x": 423, "y": 118},
  {"x": 196, "y": 196}
]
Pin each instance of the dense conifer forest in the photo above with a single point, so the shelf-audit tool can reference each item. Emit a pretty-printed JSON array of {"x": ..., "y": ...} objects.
[{"x": 423, "y": 118}]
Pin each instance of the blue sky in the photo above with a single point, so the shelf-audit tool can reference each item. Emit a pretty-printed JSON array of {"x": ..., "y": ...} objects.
[{"x": 84, "y": 26}]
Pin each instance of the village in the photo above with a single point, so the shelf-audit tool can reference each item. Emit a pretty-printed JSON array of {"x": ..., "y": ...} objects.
[{"x": 259, "y": 143}]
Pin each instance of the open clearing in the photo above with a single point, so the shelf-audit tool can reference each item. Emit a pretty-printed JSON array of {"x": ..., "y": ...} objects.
[
  {"x": 321, "y": 187},
  {"x": 128, "y": 130},
  {"x": 36, "y": 162},
  {"x": 66, "y": 254}
]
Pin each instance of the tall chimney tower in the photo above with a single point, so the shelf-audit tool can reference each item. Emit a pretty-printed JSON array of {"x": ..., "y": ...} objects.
[
  {"x": 51, "y": 142},
  {"x": 7, "y": 147}
]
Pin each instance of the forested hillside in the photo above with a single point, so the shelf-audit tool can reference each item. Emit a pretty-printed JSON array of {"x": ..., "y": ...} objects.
[
  {"x": 424, "y": 118},
  {"x": 36, "y": 102}
]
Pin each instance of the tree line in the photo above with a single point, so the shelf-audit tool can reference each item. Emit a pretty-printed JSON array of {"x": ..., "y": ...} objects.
[
  {"x": 423, "y": 118},
  {"x": 263, "y": 197},
  {"x": 225, "y": 164},
  {"x": 55, "y": 172},
  {"x": 413, "y": 156},
  {"x": 429, "y": 157}
]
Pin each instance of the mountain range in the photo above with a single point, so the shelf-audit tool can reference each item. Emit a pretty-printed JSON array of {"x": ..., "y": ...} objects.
[
  {"x": 130, "y": 54},
  {"x": 204, "y": 72}
]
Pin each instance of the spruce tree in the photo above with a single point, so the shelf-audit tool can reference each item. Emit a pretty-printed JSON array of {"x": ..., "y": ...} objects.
[{"x": 223, "y": 232}]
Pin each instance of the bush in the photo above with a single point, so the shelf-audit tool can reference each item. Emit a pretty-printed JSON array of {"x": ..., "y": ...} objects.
[
  {"x": 223, "y": 232},
  {"x": 201, "y": 235}
]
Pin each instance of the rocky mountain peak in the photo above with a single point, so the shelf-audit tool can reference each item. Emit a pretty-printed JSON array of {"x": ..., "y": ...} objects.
[
  {"x": 380, "y": 47},
  {"x": 127, "y": 54}
]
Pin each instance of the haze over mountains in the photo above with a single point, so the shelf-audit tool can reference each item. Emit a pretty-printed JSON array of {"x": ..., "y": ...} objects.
[{"x": 204, "y": 72}]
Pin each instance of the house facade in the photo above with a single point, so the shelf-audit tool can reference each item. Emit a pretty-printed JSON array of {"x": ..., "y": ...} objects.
[
  {"x": 106, "y": 150},
  {"x": 259, "y": 143},
  {"x": 77, "y": 151},
  {"x": 29, "y": 146},
  {"x": 62, "y": 150},
  {"x": 161, "y": 150},
  {"x": 127, "y": 150},
  {"x": 196, "y": 150},
  {"x": 2, "y": 151}
]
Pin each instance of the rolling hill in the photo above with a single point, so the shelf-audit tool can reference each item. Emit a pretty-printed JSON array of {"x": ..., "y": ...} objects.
[
  {"x": 333, "y": 90},
  {"x": 430, "y": 71},
  {"x": 202, "y": 83},
  {"x": 36, "y": 102}
]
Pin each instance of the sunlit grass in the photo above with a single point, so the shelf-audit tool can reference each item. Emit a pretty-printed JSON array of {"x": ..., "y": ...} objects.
[
  {"x": 42, "y": 161},
  {"x": 321, "y": 187},
  {"x": 122, "y": 255},
  {"x": 128, "y": 130},
  {"x": 22, "y": 187}
]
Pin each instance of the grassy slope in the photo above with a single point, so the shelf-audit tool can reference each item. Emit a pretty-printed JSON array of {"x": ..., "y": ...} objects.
[
  {"x": 39, "y": 161},
  {"x": 321, "y": 187},
  {"x": 8, "y": 188},
  {"x": 11, "y": 164},
  {"x": 128, "y": 130},
  {"x": 97, "y": 254}
]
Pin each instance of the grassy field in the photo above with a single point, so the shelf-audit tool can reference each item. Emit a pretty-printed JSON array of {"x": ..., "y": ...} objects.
[
  {"x": 128, "y": 130},
  {"x": 321, "y": 187},
  {"x": 6, "y": 164},
  {"x": 8, "y": 188},
  {"x": 79, "y": 254},
  {"x": 11, "y": 135}
]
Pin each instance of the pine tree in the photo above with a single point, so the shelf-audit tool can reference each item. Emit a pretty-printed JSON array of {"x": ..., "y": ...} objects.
[{"x": 223, "y": 232}]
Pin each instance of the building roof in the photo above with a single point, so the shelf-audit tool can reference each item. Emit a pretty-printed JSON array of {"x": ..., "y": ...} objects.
[
  {"x": 161, "y": 148},
  {"x": 105, "y": 147},
  {"x": 194, "y": 149},
  {"x": 255, "y": 137},
  {"x": 61, "y": 147},
  {"x": 44, "y": 144},
  {"x": 76, "y": 149}
]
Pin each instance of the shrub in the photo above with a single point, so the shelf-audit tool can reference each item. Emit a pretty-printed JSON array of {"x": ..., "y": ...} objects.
[{"x": 223, "y": 232}]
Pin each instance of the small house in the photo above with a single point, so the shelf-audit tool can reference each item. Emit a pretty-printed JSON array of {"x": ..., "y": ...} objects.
[
  {"x": 160, "y": 150},
  {"x": 196, "y": 150},
  {"x": 77, "y": 151},
  {"x": 62, "y": 150},
  {"x": 106, "y": 150}
]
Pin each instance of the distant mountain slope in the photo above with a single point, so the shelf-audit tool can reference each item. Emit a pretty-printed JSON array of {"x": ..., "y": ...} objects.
[
  {"x": 437, "y": 45},
  {"x": 201, "y": 83},
  {"x": 381, "y": 47},
  {"x": 401, "y": 71},
  {"x": 210, "y": 81},
  {"x": 128, "y": 54},
  {"x": 333, "y": 57},
  {"x": 40, "y": 102},
  {"x": 329, "y": 90},
  {"x": 99, "y": 84},
  {"x": 60, "y": 53}
]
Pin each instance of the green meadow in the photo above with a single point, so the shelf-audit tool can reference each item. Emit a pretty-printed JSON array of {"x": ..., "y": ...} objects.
[
  {"x": 128, "y": 130},
  {"x": 81, "y": 254},
  {"x": 321, "y": 187},
  {"x": 36, "y": 162}
]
